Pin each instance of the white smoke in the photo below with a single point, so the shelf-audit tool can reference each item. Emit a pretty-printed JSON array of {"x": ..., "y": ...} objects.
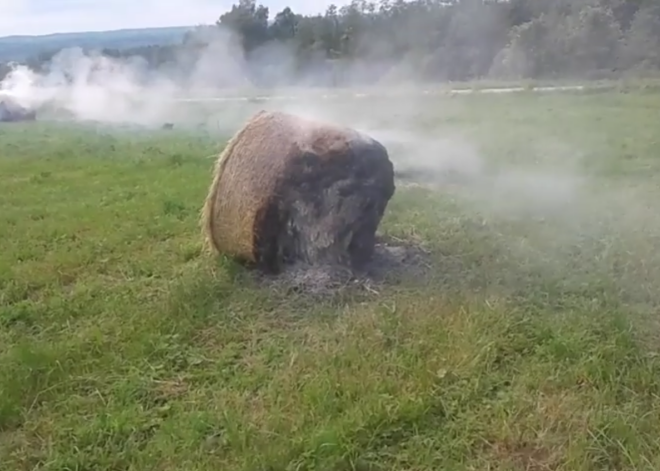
[{"x": 91, "y": 86}]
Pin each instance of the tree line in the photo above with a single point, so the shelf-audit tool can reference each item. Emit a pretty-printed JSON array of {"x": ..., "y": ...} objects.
[{"x": 431, "y": 40}]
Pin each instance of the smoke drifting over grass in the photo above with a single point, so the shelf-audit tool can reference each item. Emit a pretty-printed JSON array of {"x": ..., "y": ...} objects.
[
  {"x": 91, "y": 86},
  {"x": 532, "y": 193},
  {"x": 545, "y": 201}
]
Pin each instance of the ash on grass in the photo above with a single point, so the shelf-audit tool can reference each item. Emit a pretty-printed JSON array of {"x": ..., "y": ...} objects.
[{"x": 394, "y": 262}]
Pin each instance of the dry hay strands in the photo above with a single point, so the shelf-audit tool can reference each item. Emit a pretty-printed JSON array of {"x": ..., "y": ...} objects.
[{"x": 291, "y": 190}]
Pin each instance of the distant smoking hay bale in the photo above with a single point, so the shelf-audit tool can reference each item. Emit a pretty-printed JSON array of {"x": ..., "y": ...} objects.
[
  {"x": 288, "y": 189},
  {"x": 11, "y": 111}
]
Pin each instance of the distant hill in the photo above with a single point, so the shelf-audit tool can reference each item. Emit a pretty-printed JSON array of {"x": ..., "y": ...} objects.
[{"x": 19, "y": 48}]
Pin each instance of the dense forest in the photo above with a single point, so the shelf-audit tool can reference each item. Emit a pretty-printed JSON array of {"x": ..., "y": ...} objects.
[{"x": 430, "y": 40}]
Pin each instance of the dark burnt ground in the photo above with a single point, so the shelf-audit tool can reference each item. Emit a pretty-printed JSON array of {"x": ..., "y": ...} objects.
[{"x": 394, "y": 262}]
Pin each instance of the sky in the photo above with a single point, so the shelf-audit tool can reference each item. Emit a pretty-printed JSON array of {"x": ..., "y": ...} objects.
[{"x": 36, "y": 17}]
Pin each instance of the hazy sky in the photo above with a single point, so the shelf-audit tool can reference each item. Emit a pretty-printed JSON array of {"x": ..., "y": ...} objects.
[{"x": 57, "y": 16}]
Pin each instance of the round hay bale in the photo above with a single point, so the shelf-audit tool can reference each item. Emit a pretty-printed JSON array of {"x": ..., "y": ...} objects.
[{"x": 288, "y": 189}]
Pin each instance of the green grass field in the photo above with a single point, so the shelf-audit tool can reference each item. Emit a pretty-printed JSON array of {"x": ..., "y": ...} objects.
[{"x": 531, "y": 346}]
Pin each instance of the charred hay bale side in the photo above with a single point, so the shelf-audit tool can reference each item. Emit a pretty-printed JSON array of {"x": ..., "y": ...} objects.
[{"x": 288, "y": 189}]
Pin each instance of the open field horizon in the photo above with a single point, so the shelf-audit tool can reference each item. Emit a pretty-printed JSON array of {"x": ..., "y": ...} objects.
[
  {"x": 632, "y": 84},
  {"x": 530, "y": 343},
  {"x": 152, "y": 108}
]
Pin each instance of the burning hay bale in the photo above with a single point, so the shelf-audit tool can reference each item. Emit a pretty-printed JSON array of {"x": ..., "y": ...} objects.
[
  {"x": 11, "y": 111},
  {"x": 289, "y": 190}
]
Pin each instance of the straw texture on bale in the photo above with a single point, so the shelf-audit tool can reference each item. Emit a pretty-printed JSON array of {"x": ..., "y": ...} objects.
[{"x": 288, "y": 189}]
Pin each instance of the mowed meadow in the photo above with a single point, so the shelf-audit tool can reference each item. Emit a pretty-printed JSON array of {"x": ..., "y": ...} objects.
[{"x": 530, "y": 343}]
